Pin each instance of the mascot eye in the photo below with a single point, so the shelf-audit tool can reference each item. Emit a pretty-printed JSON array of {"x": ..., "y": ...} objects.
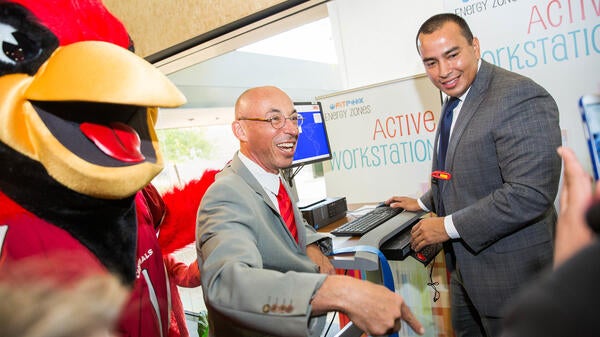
[
  {"x": 17, "y": 47},
  {"x": 24, "y": 48}
]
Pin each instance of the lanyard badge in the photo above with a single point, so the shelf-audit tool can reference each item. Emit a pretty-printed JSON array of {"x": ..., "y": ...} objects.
[{"x": 440, "y": 175}]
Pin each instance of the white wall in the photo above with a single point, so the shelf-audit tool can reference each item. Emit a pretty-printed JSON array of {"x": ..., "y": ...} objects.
[{"x": 375, "y": 40}]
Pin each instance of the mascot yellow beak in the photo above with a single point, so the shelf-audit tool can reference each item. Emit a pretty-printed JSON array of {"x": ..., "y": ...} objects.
[{"x": 88, "y": 117}]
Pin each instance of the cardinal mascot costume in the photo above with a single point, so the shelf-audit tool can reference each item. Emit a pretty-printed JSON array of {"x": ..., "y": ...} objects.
[{"x": 77, "y": 143}]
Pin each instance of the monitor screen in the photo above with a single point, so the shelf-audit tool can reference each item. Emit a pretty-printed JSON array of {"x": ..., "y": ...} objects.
[{"x": 313, "y": 144}]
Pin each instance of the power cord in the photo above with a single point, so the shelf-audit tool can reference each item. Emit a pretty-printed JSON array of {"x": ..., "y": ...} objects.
[
  {"x": 334, "y": 314},
  {"x": 436, "y": 293},
  {"x": 330, "y": 323}
]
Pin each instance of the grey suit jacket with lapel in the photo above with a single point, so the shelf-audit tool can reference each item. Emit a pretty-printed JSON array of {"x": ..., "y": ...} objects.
[
  {"x": 505, "y": 176},
  {"x": 256, "y": 280}
]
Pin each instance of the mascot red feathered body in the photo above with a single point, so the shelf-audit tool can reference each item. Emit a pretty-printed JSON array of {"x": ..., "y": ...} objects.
[
  {"x": 174, "y": 216},
  {"x": 77, "y": 142}
]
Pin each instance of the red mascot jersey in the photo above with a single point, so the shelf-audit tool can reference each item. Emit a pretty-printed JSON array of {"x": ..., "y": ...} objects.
[{"x": 146, "y": 314}]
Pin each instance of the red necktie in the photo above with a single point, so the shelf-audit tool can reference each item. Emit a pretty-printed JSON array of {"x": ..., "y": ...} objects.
[{"x": 286, "y": 211}]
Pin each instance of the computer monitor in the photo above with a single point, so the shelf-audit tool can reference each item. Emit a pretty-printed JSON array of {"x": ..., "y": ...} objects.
[{"x": 313, "y": 143}]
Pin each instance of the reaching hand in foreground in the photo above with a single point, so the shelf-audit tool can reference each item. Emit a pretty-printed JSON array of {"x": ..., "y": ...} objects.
[
  {"x": 572, "y": 231},
  {"x": 373, "y": 308}
]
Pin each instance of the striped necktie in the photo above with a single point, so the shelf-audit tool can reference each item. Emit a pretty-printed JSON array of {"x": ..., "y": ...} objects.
[{"x": 286, "y": 211}]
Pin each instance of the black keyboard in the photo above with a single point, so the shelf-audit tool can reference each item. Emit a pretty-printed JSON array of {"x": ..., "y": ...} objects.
[{"x": 367, "y": 222}]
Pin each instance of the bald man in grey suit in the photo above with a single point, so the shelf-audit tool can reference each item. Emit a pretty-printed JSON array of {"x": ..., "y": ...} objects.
[
  {"x": 496, "y": 212},
  {"x": 258, "y": 279}
]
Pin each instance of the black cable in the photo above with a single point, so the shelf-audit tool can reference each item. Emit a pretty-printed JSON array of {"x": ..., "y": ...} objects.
[
  {"x": 295, "y": 172},
  {"x": 436, "y": 293},
  {"x": 334, "y": 314},
  {"x": 330, "y": 324},
  {"x": 289, "y": 174}
]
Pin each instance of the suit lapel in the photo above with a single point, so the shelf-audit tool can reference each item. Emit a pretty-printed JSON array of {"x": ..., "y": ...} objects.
[
  {"x": 469, "y": 107},
  {"x": 240, "y": 169}
]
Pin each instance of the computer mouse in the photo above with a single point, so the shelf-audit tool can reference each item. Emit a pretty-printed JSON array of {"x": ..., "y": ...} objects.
[{"x": 382, "y": 204}]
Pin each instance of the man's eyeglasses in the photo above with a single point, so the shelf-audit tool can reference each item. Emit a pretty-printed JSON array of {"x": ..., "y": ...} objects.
[{"x": 277, "y": 121}]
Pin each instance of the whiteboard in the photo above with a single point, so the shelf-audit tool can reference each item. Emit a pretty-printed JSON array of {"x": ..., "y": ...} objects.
[{"x": 381, "y": 138}]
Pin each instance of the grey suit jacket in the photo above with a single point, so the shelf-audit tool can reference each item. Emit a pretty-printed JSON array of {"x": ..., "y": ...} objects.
[
  {"x": 505, "y": 176},
  {"x": 256, "y": 279}
]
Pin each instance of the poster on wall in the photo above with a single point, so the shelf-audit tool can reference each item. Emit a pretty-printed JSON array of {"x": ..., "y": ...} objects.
[
  {"x": 554, "y": 42},
  {"x": 381, "y": 138}
]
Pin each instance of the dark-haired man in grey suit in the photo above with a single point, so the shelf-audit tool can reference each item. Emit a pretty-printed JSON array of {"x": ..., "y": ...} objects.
[
  {"x": 259, "y": 277},
  {"x": 496, "y": 212}
]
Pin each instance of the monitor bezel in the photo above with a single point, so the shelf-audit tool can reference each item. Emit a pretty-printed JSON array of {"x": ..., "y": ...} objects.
[{"x": 312, "y": 160}]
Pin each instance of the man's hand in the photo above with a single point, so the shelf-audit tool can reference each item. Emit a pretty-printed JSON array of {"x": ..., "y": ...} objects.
[
  {"x": 409, "y": 204},
  {"x": 314, "y": 253},
  {"x": 373, "y": 308},
  {"x": 428, "y": 231}
]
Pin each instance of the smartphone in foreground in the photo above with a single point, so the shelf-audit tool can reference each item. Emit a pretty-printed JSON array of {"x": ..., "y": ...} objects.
[{"x": 589, "y": 105}]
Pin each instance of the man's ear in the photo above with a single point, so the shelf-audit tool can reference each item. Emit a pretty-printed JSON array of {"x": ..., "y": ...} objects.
[
  {"x": 476, "y": 48},
  {"x": 239, "y": 131}
]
